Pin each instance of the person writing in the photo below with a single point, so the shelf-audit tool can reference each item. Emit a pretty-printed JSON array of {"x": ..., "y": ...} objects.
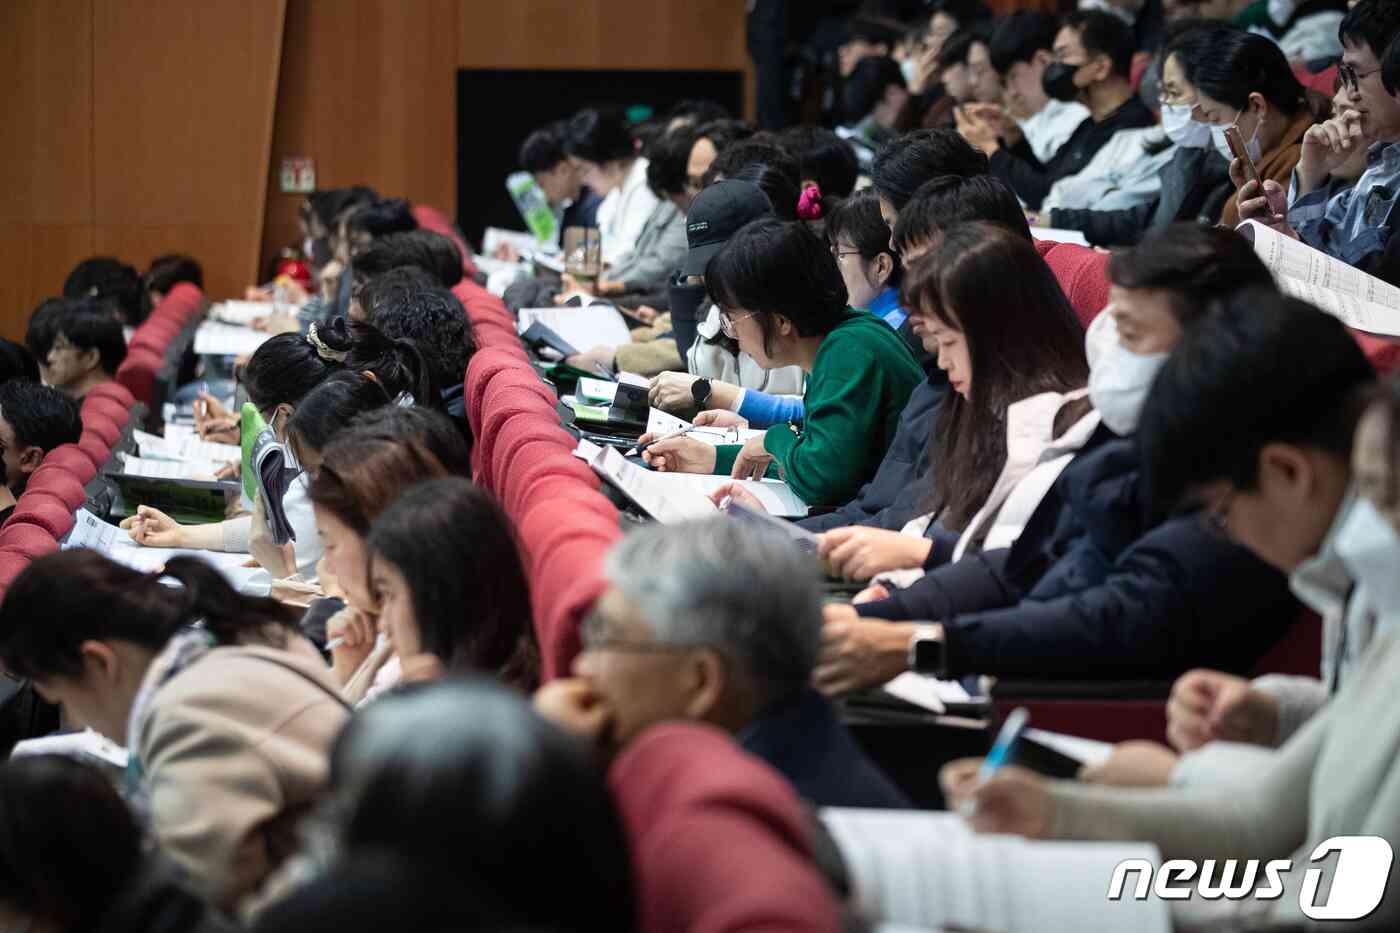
[{"x": 782, "y": 298}]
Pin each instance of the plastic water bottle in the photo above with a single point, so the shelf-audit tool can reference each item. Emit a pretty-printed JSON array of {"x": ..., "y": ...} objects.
[{"x": 530, "y": 200}]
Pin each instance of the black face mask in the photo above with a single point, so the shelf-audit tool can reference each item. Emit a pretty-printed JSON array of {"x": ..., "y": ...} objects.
[
  {"x": 1058, "y": 81},
  {"x": 686, "y": 301}
]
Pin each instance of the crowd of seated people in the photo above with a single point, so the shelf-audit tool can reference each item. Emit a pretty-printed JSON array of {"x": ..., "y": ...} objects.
[{"x": 1163, "y": 476}]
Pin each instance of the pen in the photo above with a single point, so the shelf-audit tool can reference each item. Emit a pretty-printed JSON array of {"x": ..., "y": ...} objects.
[
  {"x": 640, "y": 449},
  {"x": 1000, "y": 752},
  {"x": 601, "y": 370}
]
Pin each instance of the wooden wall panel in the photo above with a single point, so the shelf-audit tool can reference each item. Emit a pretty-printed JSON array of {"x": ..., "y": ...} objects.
[
  {"x": 46, "y": 171},
  {"x": 182, "y": 124},
  {"x": 368, "y": 91},
  {"x": 603, "y": 34}
]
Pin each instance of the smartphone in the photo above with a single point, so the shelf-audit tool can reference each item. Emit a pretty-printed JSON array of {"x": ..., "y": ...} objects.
[{"x": 1237, "y": 148}]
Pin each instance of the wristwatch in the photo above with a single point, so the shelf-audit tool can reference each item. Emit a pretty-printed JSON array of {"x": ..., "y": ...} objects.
[
  {"x": 700, "y": 391},
  {"x": 927, "y": 653}
]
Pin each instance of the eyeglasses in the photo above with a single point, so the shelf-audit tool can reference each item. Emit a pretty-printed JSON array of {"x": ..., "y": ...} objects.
[
  {"x": 1351, "y": 77},
  {"x": 838, "y": 252},
  {"x": 594, "y": 635},
  {"x": 727, "y": 322}
]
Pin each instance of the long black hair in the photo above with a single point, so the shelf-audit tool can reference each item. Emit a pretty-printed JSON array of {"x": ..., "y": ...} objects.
[
  {"x": 775, "y": 267},
  {"x": 287, "y": 367},
  {"x": 62, "y": 600},
  {"x": 455, "y": 548},
  {"x": 1228, "y": 64},
  {"x": 331, "y": 406},
  {"x": 1022, "y": 339}
]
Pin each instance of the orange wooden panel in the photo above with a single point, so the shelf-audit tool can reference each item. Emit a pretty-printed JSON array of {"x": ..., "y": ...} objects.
[
  {"x": 367, "y": 90},
  {"x": 183, "y": 100},
  {"x": 34, "y": 260},
  {"x": 46, "y": 159},
  {"x": 602, "y": 34}
]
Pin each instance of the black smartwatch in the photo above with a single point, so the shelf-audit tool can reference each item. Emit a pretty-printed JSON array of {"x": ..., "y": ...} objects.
[
  {"x": 700, "y": 391},
  {"x": 928, "y": 654}
]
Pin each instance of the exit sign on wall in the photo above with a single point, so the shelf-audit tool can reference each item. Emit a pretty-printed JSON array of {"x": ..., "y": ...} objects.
[{"x": 298, "y": 175}]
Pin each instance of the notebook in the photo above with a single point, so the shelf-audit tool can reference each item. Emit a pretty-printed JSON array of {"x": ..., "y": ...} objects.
[
  {"x": 265, "y": 472},
  {"x": 930, "y": 870}
]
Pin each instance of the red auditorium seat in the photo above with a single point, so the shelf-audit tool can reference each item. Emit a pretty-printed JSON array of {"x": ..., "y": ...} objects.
[
  {"x": 21, "y": 543},
  {"x": 1082, "y": 273},
  {"x": 1324, "y": 82},
  {"x": 146, "y": 349},
  {"x": 71, "y": 460},
  {"x": 56, "y": 483},
  {"x": 430, "y": 218}
]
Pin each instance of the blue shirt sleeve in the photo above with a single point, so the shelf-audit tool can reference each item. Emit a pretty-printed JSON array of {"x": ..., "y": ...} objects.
[{"x": 763, "y": 410}]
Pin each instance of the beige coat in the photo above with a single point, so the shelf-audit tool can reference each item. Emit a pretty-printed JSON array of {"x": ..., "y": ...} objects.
[{"x": 235, "y": 752}]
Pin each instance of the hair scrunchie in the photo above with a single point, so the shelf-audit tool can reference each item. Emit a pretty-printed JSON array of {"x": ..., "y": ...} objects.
[
  {"x": 809, "y": 204},
  {"x": 322, "y": 350}
]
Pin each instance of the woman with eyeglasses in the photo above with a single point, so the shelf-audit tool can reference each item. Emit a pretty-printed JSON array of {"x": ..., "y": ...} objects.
[
  {"x": 782, "y": 297},
  {"x": 1226, "y": 77}
]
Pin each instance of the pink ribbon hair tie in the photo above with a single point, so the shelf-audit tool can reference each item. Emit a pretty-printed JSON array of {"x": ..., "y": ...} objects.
[{"x": 809, "y": 205}]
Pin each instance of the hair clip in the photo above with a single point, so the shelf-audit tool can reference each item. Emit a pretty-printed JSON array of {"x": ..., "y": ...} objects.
[{"x": 323, "y": 351}]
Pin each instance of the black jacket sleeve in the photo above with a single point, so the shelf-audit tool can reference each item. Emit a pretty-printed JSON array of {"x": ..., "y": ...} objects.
[
  {"x": 975, "y": 583},
  {"x": 1179, "y": 598},
  {"x": 1023, "y": 172},
  {"x": 1106, "y": 228}
]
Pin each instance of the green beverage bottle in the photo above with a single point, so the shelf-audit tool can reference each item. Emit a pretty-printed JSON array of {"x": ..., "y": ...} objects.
[{"x": 530, "y": 200}]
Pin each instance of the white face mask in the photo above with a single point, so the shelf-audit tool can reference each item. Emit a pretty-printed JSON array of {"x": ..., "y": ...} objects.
[
  {"x": 1217, "y": 136},
  {"x": 910, "y": 69},
  {"x": 1370, "y": 548},
  {"x": 1119, "y": 379},
  {"x": 1181, "y": 129}
]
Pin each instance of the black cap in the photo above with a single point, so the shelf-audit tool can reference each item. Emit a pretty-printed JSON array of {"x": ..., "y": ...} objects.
[{"x": 715, "y": 215}]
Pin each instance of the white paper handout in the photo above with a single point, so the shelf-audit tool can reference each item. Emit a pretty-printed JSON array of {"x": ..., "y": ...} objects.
[
  {"x": 583, "y": 328},
  {"x": 241, "y": 313},
  {"x": 202, "y": 470},
  {"x": 1059, "y": 235},
  {"x": 1360, "y": 301},
  {"x": 214, "y": 338},
  {"x": 930, "y": 870},
  {"x": 187, "y": 447},
  {"x": 84, "y": 744},
  {"x": 930, "y": 693},
  {"x": 89, "y": 531},
  {"x": 675, "y": 497}
]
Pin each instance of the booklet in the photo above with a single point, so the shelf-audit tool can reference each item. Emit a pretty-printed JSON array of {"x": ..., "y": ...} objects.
[
  {"x": 675, "y": 497},
  {"x": 1361, "y": 301}
]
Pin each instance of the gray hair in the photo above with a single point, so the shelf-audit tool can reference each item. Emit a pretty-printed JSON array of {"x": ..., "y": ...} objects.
[{"x": 739, "y": 587}]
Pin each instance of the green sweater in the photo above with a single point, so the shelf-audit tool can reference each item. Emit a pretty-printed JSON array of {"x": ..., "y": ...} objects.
[{"x": 859, "y": 384}]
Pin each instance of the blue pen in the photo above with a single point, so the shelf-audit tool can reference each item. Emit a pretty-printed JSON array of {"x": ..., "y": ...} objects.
[
  {"x": 1000, "y": 753},
  {"x": 1006, "y": 741}
]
